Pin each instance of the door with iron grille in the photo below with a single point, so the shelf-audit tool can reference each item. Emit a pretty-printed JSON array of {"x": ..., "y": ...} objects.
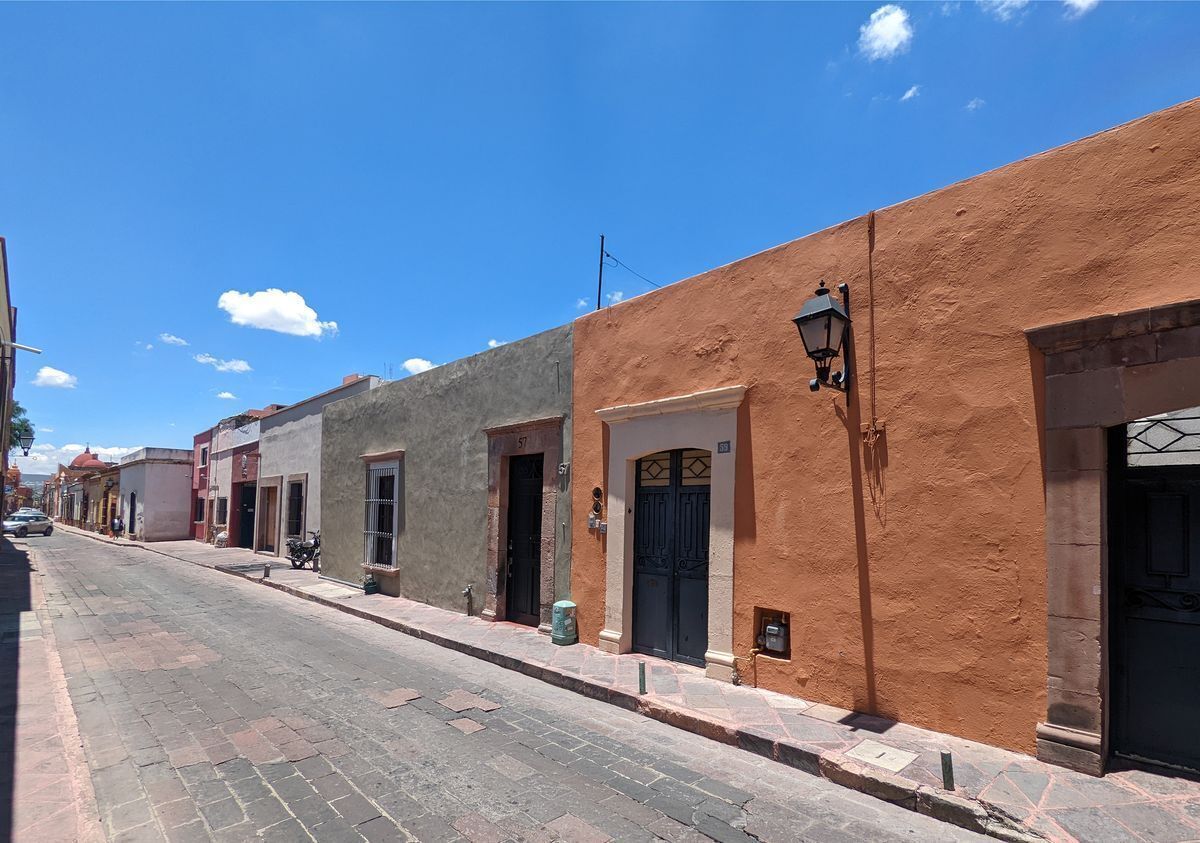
[
  {"x": 670, "y": 562},
  {"x": 1156, "y": 590},
  {"x": 525, "y": 538}
]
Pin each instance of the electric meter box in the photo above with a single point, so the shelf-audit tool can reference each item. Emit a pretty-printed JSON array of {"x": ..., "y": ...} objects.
[{"x": 775, "y": 638}]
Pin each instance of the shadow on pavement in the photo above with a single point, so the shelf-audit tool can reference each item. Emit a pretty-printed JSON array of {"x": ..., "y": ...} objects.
[{"x": 15, "y": 572}]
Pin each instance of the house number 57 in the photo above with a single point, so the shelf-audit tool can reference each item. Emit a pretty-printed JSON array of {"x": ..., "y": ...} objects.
[{"x": 521, "y": 440}]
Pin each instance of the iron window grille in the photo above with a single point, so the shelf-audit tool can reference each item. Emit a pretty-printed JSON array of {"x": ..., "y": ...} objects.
[
  {"x": 199, "y": 510},
  {"x": 1169, "y": 439},
  {"x": 295, "y": 510},
  {"x": 379, "y": 532},
  {"x": 222, "y": 510}
]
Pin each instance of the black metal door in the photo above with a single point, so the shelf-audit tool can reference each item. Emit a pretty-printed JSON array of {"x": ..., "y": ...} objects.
[
  {"x": 525, "y": 538},
  {"x": 246, "y": 515},
  {"x": 1156, "y": 602},
  {"x": 670, "y": 562}
]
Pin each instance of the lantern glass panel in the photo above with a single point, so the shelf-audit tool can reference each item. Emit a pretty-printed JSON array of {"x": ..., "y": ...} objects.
[{"x": 815, "y": 334}]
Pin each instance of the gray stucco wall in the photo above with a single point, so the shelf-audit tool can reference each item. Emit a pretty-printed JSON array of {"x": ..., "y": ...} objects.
[
  {"x": 438, "y": 418},
  {"x": 290, "y": 444}
]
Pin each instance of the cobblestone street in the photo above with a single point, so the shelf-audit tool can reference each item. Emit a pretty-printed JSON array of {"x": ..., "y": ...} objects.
[{"x": 211, "y": 708}]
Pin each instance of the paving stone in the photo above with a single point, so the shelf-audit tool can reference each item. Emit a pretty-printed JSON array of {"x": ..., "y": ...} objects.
[
  {"x": 466, "y": 725},
  {"x": 222, "y": 814},
  {"x": 354, "y": 808}
]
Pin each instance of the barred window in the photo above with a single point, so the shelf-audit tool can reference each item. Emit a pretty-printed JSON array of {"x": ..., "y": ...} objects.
[
  {"x": 199, "y": 510},
  {"x": 222, "y": 510},
  {"x": 295, "y": 509},
  {"x": 379, "y": 533}
]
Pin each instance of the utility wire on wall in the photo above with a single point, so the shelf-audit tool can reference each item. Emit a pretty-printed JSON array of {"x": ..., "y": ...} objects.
[{"x": 608, "y": 256}]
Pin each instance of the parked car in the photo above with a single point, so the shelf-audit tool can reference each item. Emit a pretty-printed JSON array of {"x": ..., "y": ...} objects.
[{"x": 22, "y": 524}]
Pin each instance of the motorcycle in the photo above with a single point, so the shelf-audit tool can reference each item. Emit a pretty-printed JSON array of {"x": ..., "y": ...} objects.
[{"x": 301, "y": 552}]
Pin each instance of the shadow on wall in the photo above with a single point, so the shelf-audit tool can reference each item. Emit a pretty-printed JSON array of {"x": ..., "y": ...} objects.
[
  {"x": 15, "y": 573},
  {"x": 869, "y": 467},
  {"x": 745, "y": 519}
]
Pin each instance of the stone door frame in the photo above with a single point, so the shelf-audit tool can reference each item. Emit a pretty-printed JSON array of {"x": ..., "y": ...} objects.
[
  {"x": 1095, "y": 374},
  {"x": 539, "y": 436},
  {"x": 698, "y": 420}
]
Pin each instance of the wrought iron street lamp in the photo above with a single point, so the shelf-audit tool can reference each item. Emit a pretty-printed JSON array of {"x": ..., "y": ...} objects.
[
  {"x": 824, "y": 326},
  {"x": 25, "y": 440}
]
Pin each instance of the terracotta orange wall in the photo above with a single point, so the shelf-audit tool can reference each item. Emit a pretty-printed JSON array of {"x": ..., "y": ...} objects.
[{"x": 928, "y": 605}]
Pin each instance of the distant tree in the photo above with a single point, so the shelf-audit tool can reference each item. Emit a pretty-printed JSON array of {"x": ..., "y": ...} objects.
[{"x": 20, "y": 424}]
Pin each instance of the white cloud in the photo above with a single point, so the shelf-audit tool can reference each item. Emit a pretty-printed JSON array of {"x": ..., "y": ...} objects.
[
  {"x": 581, "y": 304},
  {"x": 911, "y": 94},
  {"x": 171, "y": 339},
  {"x": 47, "y": 376},
  {"x": 45, "y": 430},
  {"x": 1003, "y": 9},
  {"x": 615, "y": 297},
  {"x": 149, "y": 346},
  {"x": 235, "y": 365},
  {"x": 975, "y": 104},
  {"x": 275, "y": 310},
  {"x": 228, "y": 396},
  {"x": 950, "y": 8},
  {"x": 44, "y": 457},
  {"x": 496, "y": 343},
  {"x": 886, "y": 33},
  {"x": 1079, "y": 8},
  {"x": 416, "y": 365}
]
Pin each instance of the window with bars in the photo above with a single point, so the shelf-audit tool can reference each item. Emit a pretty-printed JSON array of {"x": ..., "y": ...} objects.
[
  {"x": 1166, "y": 439},
  {"x": 379, "y": 533},
  {"x": 222, "y": 510},
  {"x": 199, "y": 510},
  {"x": 295, "y": 509}
]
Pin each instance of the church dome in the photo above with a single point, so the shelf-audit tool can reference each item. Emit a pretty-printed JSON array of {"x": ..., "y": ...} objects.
[{"x": 88, "y": 460}]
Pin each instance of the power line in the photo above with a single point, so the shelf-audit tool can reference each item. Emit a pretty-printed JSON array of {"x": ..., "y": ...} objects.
[{"x": 627, "y": 267}]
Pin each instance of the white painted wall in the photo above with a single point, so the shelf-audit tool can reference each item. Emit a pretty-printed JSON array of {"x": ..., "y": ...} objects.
[{"x": 161, "y": 479}]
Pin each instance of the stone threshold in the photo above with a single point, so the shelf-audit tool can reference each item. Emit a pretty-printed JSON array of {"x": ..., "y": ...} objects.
[{"x": 999, "y": 793}]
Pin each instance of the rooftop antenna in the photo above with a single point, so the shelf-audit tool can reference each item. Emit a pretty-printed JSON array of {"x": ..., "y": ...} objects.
[{"x": 600, "y": 282}]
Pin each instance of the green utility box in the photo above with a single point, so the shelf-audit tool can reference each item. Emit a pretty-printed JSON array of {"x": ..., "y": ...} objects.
[{"x": 562, "y": 625}]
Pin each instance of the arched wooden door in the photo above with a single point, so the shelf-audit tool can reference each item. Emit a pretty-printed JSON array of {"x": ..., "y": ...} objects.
[{"x": 670, "y": 535}]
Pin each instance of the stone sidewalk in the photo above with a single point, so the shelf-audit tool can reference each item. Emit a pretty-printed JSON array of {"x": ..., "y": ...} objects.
[
  {"x": 45, "y": 790},
  {"x": 1001, "y": 793}
]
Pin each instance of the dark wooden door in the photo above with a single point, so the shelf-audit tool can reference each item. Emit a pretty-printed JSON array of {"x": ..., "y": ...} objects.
[
  {"x": 670, "y": 561},
  {"x": 246, "y": 515},
  {"x": 525, "y": 539},
  {"x": 1156, "y": 603}
]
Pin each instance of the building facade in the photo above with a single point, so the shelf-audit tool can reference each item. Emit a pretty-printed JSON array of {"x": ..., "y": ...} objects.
[
  {"x": 936, "y": 544},
  {"x": 8, "y": 335},
  {"x": 452, "y": 486},
  {"x": 156, "y": 494},
  {"x": 289, "y": 476},
  {"x": 201, "y": 451}
]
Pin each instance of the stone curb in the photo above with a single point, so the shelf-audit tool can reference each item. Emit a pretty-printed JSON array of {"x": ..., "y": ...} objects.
[{"x": 972, "y": 814}]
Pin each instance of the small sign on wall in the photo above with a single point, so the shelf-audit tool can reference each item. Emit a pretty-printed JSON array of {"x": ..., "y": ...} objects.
[{"x": 723, "y": 447}]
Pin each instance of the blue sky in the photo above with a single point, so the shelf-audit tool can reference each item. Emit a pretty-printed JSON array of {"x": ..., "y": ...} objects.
[{"x": 433, "y": 177}]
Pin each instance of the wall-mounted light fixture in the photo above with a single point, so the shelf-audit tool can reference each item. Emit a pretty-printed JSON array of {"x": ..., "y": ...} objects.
[{"x": 824, "y": 327}]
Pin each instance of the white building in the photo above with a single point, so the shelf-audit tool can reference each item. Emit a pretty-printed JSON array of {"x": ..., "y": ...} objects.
[
  {"x": 289, "y": 474},
  {"x": 156, "y": 494}
]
